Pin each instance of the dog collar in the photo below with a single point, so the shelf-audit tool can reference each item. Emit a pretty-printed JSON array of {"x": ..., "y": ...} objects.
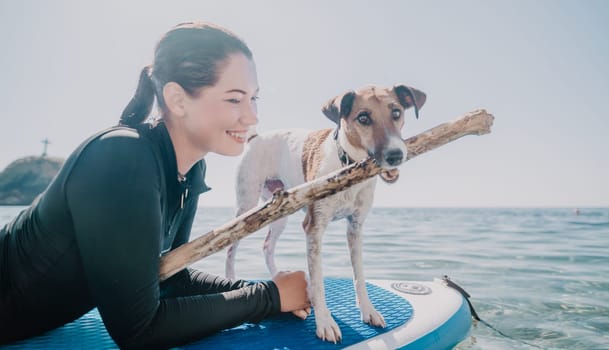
[
  {"x": 346, "y": 160},
  {"x": 342, "y": 154}
]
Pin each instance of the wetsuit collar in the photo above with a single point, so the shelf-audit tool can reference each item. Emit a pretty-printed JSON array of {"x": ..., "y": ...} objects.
[{"x": 195, "y": 178}]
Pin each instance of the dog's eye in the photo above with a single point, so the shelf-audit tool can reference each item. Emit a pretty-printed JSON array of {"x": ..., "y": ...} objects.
[
  {"x": 364, "y": 119},
  {"x": 396, "y": 114}
]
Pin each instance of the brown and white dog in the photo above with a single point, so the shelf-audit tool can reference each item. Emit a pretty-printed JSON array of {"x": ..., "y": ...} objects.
[{"x": 369, "y": 123}]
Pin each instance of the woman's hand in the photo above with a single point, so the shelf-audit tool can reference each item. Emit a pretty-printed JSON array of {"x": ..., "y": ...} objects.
[{"x": 292, "y": 286}]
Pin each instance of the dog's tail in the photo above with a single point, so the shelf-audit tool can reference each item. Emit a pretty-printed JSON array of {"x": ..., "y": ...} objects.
[{"x": 251, "y": 133}]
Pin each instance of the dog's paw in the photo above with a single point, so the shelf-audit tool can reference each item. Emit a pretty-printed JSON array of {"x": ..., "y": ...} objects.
[
  {"x": 327, "y": 329},
  {"x": 373, "y": 317}
]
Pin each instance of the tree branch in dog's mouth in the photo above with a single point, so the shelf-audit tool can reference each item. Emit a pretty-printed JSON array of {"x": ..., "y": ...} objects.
[{"x": 286, "y": 202}]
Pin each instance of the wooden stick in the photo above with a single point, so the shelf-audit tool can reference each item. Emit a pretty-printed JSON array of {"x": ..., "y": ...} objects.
[{"x": 289, "y": 201}]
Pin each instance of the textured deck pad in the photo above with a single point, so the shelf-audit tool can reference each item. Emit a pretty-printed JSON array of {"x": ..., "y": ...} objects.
[
  {"x": 288, "y": 332},
  {"x": 88, "y": 332},
  {"x": 281, "y": 332}
]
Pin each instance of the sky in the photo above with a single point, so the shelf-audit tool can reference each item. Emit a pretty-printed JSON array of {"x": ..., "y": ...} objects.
[{"x": 68, "y": 68}]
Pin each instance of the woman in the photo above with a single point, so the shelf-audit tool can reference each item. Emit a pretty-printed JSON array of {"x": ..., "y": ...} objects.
[{"x": 128, "y": 195}]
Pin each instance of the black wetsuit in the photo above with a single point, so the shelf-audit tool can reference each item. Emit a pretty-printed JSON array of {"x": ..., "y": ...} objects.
[{"x": 94, "y": 239}]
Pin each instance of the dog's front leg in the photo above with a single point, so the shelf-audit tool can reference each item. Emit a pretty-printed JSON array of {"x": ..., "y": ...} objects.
[
  {"x": 315, "y": 224},
  {"x": 368, "y": 312}
]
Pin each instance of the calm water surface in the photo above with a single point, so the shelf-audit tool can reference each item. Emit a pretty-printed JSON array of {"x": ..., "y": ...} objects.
[{"x": 539, "y": 275}]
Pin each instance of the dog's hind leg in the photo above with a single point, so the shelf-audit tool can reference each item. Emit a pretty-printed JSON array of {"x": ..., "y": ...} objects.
[
  {"x": 275, "y": 230},
  {"x": 248, "y": 189},
  {"x": 230, "y": 261},
  {"x": 231, "y": 253},
  {"x": 244, "y": 203}
]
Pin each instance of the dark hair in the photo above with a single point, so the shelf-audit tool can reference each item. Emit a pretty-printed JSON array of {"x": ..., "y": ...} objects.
[{"x": 191, "y": 54}]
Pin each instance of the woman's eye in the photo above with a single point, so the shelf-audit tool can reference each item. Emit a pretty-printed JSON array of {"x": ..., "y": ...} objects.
[
  {"x": 255, "y": 98},
  {"x": 233, "y": 100},
  {"x": 396, "y": 114},
  {"x": 364, "y": 119}
]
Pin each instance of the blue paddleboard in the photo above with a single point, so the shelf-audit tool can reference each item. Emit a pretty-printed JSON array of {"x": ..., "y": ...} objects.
[{"x": 419, "y": 315}]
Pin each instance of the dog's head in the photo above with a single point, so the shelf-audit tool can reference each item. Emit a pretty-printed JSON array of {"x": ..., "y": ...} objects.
[{"x": 371, "y": 120}]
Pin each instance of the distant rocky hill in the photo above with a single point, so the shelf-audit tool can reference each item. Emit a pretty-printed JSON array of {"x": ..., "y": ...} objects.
[{"x": 25, "y": 178}]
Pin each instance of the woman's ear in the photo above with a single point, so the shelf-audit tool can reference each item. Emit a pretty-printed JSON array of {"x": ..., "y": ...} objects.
[{"x": 175, "y": 98}]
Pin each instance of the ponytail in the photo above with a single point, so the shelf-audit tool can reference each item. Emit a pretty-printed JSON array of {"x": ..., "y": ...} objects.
[{"x": 140, "y": 105}]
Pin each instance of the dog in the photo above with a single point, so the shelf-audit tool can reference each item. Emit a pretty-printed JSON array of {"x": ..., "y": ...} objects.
[{"x": 368, "y": 124}]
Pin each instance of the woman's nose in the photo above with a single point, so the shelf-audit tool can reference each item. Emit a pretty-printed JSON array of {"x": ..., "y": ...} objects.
[{"x": 249, "y": 115}]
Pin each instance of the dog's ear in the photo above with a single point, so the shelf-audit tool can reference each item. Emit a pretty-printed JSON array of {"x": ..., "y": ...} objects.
[
  {"x": 409, "y": 97},
  {"x": 339, "y": 106}
]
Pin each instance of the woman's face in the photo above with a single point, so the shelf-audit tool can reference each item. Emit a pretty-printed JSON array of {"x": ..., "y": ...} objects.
[{"x": 218, "y": 119}]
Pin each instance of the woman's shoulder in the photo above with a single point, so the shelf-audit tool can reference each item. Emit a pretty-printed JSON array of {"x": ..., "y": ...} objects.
[
  {"x": 120, "y": 133},
  {"x": 117, "y": 145},
  {"x": 115, "y": 151},
  {"x": 122, "y": 138},
  {"x": 133, "y": 150}
]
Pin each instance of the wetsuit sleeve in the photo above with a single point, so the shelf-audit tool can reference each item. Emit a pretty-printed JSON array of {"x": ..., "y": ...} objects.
[{"x": 114, "y": 197}]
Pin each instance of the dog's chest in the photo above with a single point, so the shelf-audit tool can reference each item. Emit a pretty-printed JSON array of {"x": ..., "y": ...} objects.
[
  {"x": 354, "y": 201},
  {"x": 321, "y": 158}
]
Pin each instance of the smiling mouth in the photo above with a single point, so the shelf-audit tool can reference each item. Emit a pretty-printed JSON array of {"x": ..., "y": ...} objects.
[{"x": 237, "y": 136}]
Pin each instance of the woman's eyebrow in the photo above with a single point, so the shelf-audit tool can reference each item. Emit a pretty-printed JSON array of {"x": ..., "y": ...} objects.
[
  {"x": 236, "y": 90},
  {"x": 240, "y": 91}
]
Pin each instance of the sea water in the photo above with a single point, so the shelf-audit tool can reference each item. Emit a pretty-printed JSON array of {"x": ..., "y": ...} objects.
[{"x": 540, "y": 276}]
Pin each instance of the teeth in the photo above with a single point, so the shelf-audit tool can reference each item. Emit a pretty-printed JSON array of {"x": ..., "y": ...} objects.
[{"x": 238, "y": 136}]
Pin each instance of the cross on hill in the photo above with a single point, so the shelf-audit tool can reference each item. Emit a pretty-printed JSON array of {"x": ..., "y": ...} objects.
[{"x": 46, "y": 143}]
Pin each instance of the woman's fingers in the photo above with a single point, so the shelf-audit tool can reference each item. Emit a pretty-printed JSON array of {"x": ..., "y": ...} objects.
[{"x": 302, "y": 314}]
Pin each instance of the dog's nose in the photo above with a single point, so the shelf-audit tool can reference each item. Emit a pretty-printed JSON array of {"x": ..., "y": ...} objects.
[{"x": 393, "y": 156}]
